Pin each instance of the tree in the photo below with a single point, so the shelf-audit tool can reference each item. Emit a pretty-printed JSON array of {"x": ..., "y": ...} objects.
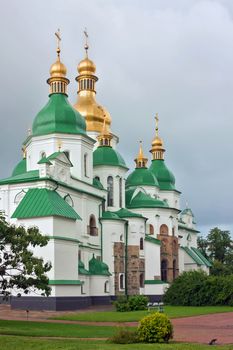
[{"x": 19, "y": 268}]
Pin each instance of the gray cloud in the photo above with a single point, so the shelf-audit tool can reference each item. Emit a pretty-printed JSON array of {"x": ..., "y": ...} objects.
[{"x": 171, "y": 57}]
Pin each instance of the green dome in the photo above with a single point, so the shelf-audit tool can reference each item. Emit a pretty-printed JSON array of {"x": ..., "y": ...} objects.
[
  {"x": 164, "y": 176},
  {"x": 143, "y": 200},
  {"x": 97, "y": 267},
  {"x": 20, "y": 168},
  {"x": 140, "y": 177},
  {"x": 58, "y": 116},
  {"x": 106, "y": 155}
]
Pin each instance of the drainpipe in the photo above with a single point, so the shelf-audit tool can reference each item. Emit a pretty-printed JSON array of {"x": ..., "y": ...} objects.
[
  {"x": 101, "y": 205},
  {"x": 126, "y": 258}
]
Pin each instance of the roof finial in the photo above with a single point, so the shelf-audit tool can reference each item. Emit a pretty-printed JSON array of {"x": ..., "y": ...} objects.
[
  {"x": 58, "y": 35},
  {"x": 86, "y": 46},
  {"x": 24, "y": 151},
  {"x": 141, "y": 160},
  {"x": 59, "y": 144},
  {"x": 157, "y": 125}
]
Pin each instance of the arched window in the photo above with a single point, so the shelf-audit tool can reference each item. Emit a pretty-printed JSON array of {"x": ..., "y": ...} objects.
[
  {"x": 174, "y": 268},
  {"x": 141, "y": 243},
  {"x": 151, "y": 229},
  {"x": 85, "y": 164},
  {"x": 141, "y": 278},
  {"x": 92, "y": 226},
  {"x": 164, "y": 270},
  {"x": 42, "y": 154},
  {"x": 97, "y": 178},
  {"x": 121, "y": 238},
  {"x": 163, "y": 230},
  {"x": 121, "y": 281},
  {"x": 110, "y": 191},
  {"x": 106, "y": 287},
  {"x": 120, "y": 192}
]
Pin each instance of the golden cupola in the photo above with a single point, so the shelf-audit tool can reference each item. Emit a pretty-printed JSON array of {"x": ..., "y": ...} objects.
[
  {"x": 86, "y": 104},
  {"x": 58, "y": 81},
  {"x": 141, "y": 160},
  {"x": 105, "y": 136},
  {"x": 157, "y": 149}
]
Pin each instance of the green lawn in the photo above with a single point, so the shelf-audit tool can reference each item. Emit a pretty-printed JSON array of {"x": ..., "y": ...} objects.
[
  {"x": 171, "y": 311},
  {"x": 40, "y": 329},
  {"x": 25, "y": 343}
]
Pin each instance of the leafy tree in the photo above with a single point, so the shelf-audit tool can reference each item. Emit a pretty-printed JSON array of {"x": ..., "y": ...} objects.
[
  {"x": 19, "y": 268},
  {"x": 202, "y": 244},
  {"x": 219, "y": 244}
]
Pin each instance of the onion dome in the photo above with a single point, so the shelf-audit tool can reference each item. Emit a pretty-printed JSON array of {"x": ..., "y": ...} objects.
[
  {"x": 97, "y": 267},
  {"x": 158, "y": 167},
  {"x": 141, "y": 176},
  {"x": 58, "y": 116},
  {"x": 86, "y": 103},
  {"x": 143, "y": 200},
  {"x": 21, "y": 167},
  {"x": 104, "y": 153}
]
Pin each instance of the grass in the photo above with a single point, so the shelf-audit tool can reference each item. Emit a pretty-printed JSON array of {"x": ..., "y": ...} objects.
[
  {"x": 171, "y": 311},
  {"x": 25, "y": 343},
  {"x": 40, "y": 329}
]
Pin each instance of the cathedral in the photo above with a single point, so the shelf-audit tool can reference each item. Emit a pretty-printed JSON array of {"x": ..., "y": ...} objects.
[{"x": 110, "y": 233}]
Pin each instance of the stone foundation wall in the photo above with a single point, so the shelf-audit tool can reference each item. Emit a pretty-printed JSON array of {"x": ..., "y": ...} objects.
[
  {"x": 169, "y": 252},
  {"x": 119, "y": 265}
]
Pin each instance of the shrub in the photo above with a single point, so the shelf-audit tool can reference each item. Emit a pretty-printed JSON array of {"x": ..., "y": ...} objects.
[
  {"x": 124, "y": 336},
  {"x": 155, "y": 328},
  {"x": 132, "y": 303},
  {"x": 138, "y": 302}
]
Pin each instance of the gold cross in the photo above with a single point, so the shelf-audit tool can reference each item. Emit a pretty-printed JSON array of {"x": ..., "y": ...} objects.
[
  {"x": 58, "y": 35},
  {"x": 157, "y": 123},
  {"x": 86, "y": 46}
]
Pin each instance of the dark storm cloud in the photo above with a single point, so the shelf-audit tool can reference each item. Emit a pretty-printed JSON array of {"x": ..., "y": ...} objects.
[{"x": 171, "y": 57}]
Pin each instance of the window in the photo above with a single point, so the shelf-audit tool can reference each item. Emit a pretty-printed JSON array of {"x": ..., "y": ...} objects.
[
  {"x": 173, "y": 231},
  {"x": 164, "y": 270},
  {"x": 97, "y": 178},
  {"x": 19, "y": 197},
  {"x": 42, "y": 154},
  {"x": 151, "y": 229},
  {"x": 106, "y": 287},
  {"x": 79, "y": 255},
  {"x": 174, "y": 268},
  {"x": 93, "y": 231},
  {"x": 85, "y": 164},
  {"x": 121, "y": 238},
  {"x": 141, "y": 243},
  {"x": 110, "y": 191},
  {"x": 120, "y": 192},
  {"x": 141, "y": 278},
  {"x": 163, "y": 230},
  {"x": 121, "y": 281}
]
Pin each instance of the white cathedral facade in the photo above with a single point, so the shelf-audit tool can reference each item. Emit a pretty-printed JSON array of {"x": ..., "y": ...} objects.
[{"x": 110, "y": 233}]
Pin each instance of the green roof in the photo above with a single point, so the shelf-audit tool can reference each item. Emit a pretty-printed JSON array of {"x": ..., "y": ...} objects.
[
  {"x": 143, "y": 200},
  {"x": 106, "y": 155},
  {"x": 58, "y": 116},
  {"x": 109, "y": 215},
  {"x": 193, "y": 255},
  {"x": 31, "y": 175},
  {"x": 140, "y": 177},
  {"x": 44, "y": 160},
  {"x": 20, "y": 168},
  {"x": 164, "y": 176},
  {"x": 41, "y": 202},
  {"x": 125, "y": 213},
  {"x": 97, "y": 267},
  {"x": 154, "y": 282},
  {"x": 184, "y": 227},
  {"x": 152, "y": 240},
  {"x": 81, "y": 269},
  {"x": 202, "y": 257}
]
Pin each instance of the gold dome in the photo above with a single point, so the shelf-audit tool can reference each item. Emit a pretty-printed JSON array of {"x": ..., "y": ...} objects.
[
  {"x": 157, "y": 149},
  {"x": 141, "y": 160},
  {"x": 86, "y": 66},
  {"x": 58, "y": 69}
]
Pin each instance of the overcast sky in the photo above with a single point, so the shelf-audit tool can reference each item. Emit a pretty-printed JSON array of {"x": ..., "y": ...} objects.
[{"x": 170, "y": 57}]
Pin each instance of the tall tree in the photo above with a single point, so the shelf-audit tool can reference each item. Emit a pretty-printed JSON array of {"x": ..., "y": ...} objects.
[
  {"x": 19, "y": 269},
  {"x": 219, "y": 244}
]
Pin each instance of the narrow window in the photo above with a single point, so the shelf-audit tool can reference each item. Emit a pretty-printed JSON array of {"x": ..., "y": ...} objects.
[
  {"x": 164, "y": 270},
  {"x": 163, "y": 230},
  {"x": 174, "y": 269},
  {"x": 92, "y": 226},
  {"x": 151, "y": 229},
  {"x": 120, "y": 192},
  {"x": 85, "y": 164},
  {"x": 141, "y": 280},
  {"x": 121, "y": 281},
  {"x": 106, "y": 287},
  {"x": 141, "y": 243},
  {"x": 110, "y": 191}
]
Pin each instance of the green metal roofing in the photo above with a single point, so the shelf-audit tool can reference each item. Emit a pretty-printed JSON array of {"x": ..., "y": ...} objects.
[
  {"x": 143, "y": 200},
  {"x": 109, "y": 215},
  {"x": 187, "y": 211},
  {"x": 106, "y": 155},
  {"x": 154, "y": 282},
  {"x": 98, "y": 184},
  {"x": 58, "y": 116},
  {"x": 193, "y": 255},
  {"x": 44, "y": 160},
  {"x": 164, "y": 176},
  {"x": 20, "y": 168},
  {"x": 140, "y": 177},
  {"x": 202, "y": 257},
  {"x": 185, "y": 227},
  {"x": 97, "y": 267},
  {"x": 81, "y": 269},
  {"x": 152, "y": 240},
  {"x": 41, "y": 202},
  {"x": 25, "y": 177},
  {"x": 125, "y": 213}
]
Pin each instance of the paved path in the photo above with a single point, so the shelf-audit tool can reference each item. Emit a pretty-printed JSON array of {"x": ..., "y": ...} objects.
[{"x": 197, "y": 329}]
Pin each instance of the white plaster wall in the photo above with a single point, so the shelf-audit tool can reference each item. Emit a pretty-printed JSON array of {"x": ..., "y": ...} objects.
[
  {"x": 97, "y": 285},
  {"x": 192, "y": 242},
  {"x": 155, "y": 289},
  {"x": 152, "y": 260},
  {"x": 172, "y": 197}
]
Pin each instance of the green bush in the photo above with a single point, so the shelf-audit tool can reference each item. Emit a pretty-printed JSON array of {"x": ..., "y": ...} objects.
[
  {"x": 132, "y": 303},
  {"x": 155, "y": 328},
  {"x": 195, "y": 288},
  {"x": 123, "y": 336}
]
